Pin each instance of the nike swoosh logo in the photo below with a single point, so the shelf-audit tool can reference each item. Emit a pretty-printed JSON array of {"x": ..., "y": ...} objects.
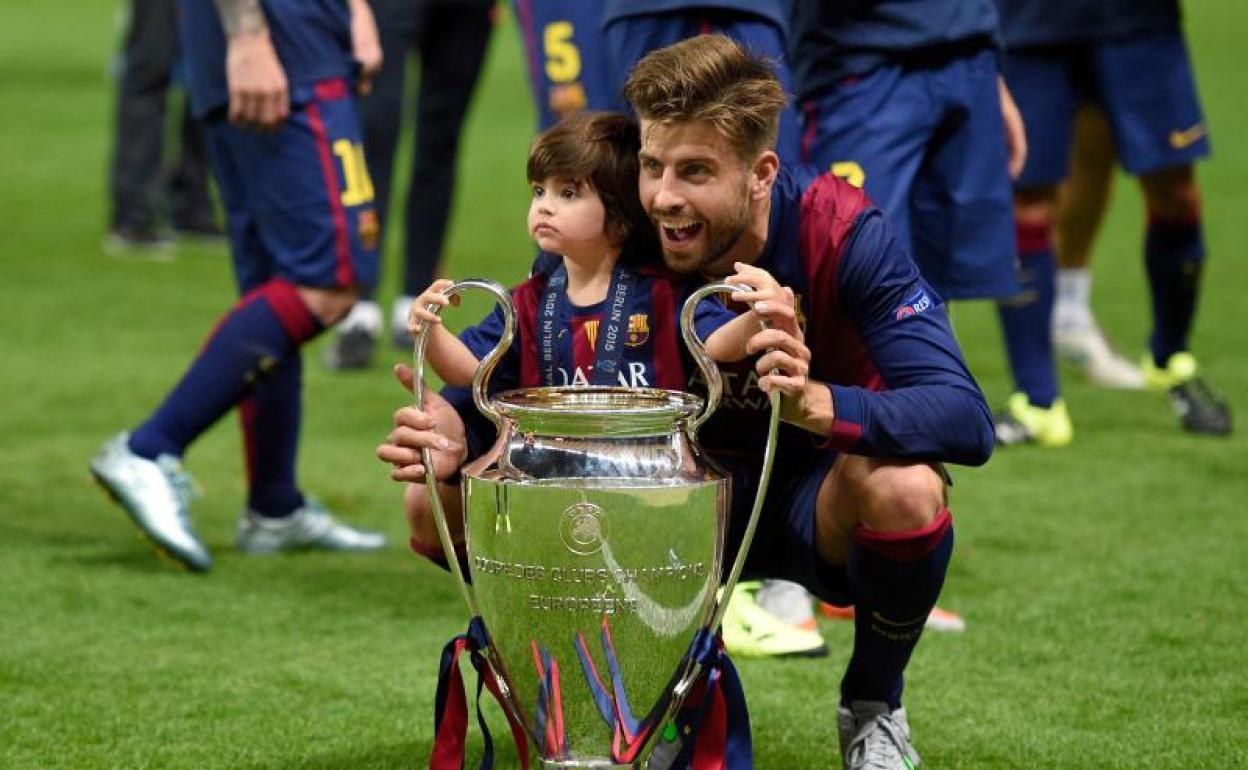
[{"x": 1181, "y": 140}]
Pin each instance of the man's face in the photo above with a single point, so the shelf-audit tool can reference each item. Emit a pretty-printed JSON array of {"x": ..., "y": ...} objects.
[{"x": 696, "y": 189}]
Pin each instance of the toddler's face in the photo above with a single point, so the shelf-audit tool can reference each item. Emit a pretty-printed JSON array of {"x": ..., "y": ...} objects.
[{"x": 566, "y": 216}]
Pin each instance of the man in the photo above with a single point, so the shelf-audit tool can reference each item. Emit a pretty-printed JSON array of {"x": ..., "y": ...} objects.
[
  {"x": 905, "y": 99},
  {"x": 876, "y": 394},
  {"x": 272, "y": 82},
  {"x": 1128, "y": 58},
  {"x": 448, "y": 39}
]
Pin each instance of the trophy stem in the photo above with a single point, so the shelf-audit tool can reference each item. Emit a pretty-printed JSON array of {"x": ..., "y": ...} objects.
[
  {"x": 764, "y": 479},
  {"x": 714, "y": 387}
]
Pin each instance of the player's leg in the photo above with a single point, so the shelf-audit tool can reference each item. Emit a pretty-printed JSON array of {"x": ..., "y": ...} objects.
[
  {"x": 1149, "y": 93},
  {"x": 1041, "y": 84},
  {"x": 135, "y": 172},
  {"x": 1035, "y": 412},
  {"x": 1082, "y": 202},
  {"x": 190, "y": 197},
  {"x": 142, "y": 469},
  {"x": 381, "y": 113},
  {"x": 882, "y": 529},
  {"x": 315, "y": 218},
  {"x": 452, "y": 51},
  {"x": 1174, "y": 254}
]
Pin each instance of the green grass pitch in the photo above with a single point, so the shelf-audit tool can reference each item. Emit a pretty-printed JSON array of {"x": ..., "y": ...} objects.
[{"x": 1104, "y": 585}]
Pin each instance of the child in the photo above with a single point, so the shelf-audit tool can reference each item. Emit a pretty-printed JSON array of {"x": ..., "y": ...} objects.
[{"x": 585, "y": 207}]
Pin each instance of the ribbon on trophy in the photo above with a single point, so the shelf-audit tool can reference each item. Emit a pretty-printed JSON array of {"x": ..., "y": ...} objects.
[
  {"x": 714, "y": 715},
  {"x": 549, "y": 711},
  {"x": 450, "y": 709}
]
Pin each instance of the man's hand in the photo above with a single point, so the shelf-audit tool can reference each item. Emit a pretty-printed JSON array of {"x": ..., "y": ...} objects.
[
  {"x": 785, "y": 359},
  {"x": 365, "y": 44},
  {"x": 259, "y": 93},
  {"x": 438, "y": 427},
  {"x": 1015, "y": 131},
  {"x": 767, "y": 299}
]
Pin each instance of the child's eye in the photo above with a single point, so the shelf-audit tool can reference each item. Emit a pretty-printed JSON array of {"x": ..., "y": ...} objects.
[
  {"x": 538, "y": 191},
  {"x": 568, "y": 192}
]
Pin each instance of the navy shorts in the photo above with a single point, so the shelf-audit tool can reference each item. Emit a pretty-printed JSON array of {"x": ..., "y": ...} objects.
[
  {"x": 566, "y": 57},
  {"x": 630, "y": 38},
  {"x": 1143, "y": 84},
  {"x": 298, "y": 200},
  {"x": 928, "y": 145},
  {"x": 784, "y": 543}
]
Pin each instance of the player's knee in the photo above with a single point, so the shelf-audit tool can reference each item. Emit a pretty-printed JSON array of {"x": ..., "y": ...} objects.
[
  {"x": 1172, "y": 194},
  {"x": 328, "y": 305},
  {"x": 894, "y": 497},
  {"x": 1036, "y": 206}
]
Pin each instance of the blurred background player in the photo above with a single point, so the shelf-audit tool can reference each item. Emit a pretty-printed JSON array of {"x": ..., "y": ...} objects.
[
  {"x": 447, "y": 39},
  {"x": 1130, "y": 59},
  {"x": 142, "y": 190},
  {"x": 1081, "y": 203},
  {"x": 565, "y": 57},
  {"x": 264, "y": 76}
]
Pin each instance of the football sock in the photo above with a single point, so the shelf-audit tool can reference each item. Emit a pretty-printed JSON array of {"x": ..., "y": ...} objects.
[
  {"x": 253, "y": 338},
  {"x": 1026, "y": 317},
  {"x": 1174, "y": 254},
  {"x": 1073, "y": 307},
  {"x": 270, "y": 418},
  {"x": 895, "y": 579}
]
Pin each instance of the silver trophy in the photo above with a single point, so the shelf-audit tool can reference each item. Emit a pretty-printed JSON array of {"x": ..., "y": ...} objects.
[{"x": 596, "y": 532}]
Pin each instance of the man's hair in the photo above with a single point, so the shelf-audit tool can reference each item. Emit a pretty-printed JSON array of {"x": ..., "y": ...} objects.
[
  {"x": 599, "y": 149},
  {"x": 712, "y": 79}
]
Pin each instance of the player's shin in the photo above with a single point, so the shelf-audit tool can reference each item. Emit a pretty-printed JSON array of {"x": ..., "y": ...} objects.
[{"x": 895, "y": 579}]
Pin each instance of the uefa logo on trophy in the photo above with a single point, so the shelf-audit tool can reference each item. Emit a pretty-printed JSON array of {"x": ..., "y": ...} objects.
[{"x": 596, "y": 535}]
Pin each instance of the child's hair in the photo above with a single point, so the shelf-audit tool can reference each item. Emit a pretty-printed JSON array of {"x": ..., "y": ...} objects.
[
  {"x": 713, "y": 79},
  {"x": 599, "y": 149}
]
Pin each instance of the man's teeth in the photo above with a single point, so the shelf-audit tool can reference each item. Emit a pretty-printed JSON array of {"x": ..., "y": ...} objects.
[{"x": 681, "y": 230}]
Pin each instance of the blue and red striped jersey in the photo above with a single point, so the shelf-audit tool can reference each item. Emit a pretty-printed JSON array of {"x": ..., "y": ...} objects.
[{"x": 879, "y": 337}]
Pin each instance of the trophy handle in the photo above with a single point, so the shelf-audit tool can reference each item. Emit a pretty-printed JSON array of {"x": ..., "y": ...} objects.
[
  {"x": 710, "y": 371},
  {"x": 714, "y": 386},
  {"x": 479, "y": 383}
]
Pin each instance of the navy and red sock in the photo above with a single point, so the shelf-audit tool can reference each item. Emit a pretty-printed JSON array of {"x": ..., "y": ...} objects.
[
  {"x": 270, "y": 416},
  {"x": 895, "y": 578},
  {"x": 1026, "y": 317},
  {"x": 252, "y": 340},
  {"x": 1174, "y": 256}
]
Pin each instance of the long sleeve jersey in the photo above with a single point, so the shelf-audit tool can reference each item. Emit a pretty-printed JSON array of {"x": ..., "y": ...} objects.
[{"x": 879, "y": 338}]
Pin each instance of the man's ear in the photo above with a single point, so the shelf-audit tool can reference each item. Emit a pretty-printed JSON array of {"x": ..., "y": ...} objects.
[{"x": 763, "y": 174}]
